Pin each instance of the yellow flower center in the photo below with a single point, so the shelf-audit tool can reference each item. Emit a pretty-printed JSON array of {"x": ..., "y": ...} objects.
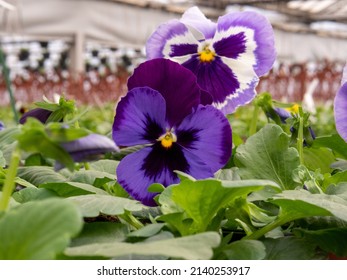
[
  {"x": 167, "y": 139},
  {"x": 294, "y": 109},
  {"x": 206, "y": 55}
]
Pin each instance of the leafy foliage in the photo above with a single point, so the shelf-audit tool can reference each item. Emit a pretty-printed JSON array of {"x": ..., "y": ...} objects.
[{"x": 266, "y": 203}]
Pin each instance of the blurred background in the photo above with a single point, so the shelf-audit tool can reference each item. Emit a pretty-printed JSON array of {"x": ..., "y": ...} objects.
[{"x": 87, "y": 49}]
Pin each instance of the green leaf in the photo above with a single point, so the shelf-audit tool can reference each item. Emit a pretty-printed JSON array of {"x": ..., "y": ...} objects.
[
  {"x": 105, "y": 165},
  {"x": 289, "y": 248},
  {"x": 67, "y": 189},
  {"x": 100, "y": 232},
  {"x": 318, "y": 158},
  {"x": 147, "y": 231},
  {"x": 33, "y": 138},
  {"x": 194, "y": 247},
  {"x": 330, "y": 240},
  {"x": 8, "y": 136},
  {"x": 333, "y": 142},
  {"x": 89, "y": 176},
  {"x": 38, "y": 175},
  {"x": 300, "y": 204},
  {"x": 201, "y": 200},
  {"x": 59, "y": 133},
  {"x": 30, "y": 194},
  {"x": 337, "y": 178},
  {"x": 230, "y": 174},
  {"x": 93, "y": 205},
  {"x": 8, "y": 141},
  {"x": 245, "y": 250},
  {"x": 2, "y": 160},
  {"x": 38, "y": 230},
  {"x": 266, "y": 155}
]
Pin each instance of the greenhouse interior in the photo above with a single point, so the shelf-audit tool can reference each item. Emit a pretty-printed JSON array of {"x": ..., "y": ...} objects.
[{"x": 173, "y": 130}]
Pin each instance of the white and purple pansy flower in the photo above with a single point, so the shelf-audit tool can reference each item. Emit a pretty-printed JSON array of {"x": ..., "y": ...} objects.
[
  {"x": 162, "y": 112},
  {"x": 340, "y": 107},
  {"x": 227, "y": 57}
]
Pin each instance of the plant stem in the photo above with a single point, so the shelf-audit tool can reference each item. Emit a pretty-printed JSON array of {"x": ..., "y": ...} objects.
[
  {"x": 10, "y": 180},
  {"x": 259, "y": 233},
  {"x": 6, "y": 74},
  {"x": 300, "y": 140},
  {"x": 280, "y": 221},
  {"x": 254, "y": 121},
  {"x": 131, "y": 220}
]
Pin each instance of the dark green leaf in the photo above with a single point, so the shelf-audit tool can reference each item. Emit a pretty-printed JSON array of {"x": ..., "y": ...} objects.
[
  {"x": 201, "y": 200},
  {"x": 318, "y": 158},
  {"x": 93, "y": 205},
  {"x": 333, "y": 142},
  {"x": 331, "y": 240},
  {"x": 289, "y": 248},
  {"x": 147, "y": 231},
  {"x": 38, "y": 230},
  {"x": 67, "y": 189},
  {"x": 266, "y": 155},
  {"x": 194, "y": 247},
  {"x": 38, "y": 175},
  {"x": 245, "y": 250},
  {"x": 100, "y": 232}
]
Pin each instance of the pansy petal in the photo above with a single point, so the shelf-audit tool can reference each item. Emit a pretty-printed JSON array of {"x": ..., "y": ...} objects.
[
  {"x": 229, "y": 81},
  {"x": 137, "y": 171},
  {"x": 171, "y": 39},
  {"x": 175, "y": 83},
  {"x": 140, "y": 117},
  {"x": 38, "y": 113},
  {"x": 88, "y": 147},
  {"x": 260, "y": 43},
  {"x": 195, "y": 18},
  {"x": 206, "y": 133},
  {"x": 157, "y": 165},
  {"x": 340, "y": 111}
]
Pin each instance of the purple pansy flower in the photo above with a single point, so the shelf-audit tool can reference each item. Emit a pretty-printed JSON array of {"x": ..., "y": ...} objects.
[
  {"x": 340, "y": 107},
  {"x": 227, "y": 57},
  {"x": 162, "y": 111},
  {"x": 2, "y": 126}
]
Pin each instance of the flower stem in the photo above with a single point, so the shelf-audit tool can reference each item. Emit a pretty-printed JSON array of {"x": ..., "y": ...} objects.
[
  {"x": 254, "y": 121},
  {"x": 300, "y": 140},
  {"x": 9, "y": 183}
]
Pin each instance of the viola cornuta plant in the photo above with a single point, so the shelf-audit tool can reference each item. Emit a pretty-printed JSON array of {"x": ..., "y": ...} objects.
[{"x": 166, "y": 174}]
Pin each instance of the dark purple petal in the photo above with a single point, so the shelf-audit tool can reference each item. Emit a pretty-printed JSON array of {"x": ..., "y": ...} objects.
[
  {"x": 170, "y": 39},
  {"x": 214, "y": 77},
  {"x": 183, "y": 49},
  {"x": 137, "y": 171},
  {"x": 140, "y": 117},
  {"x": 340, "y": 111},
  {"x": 260, "y": 43},
  {"x": 195, "y": 18},
  {"x": 206, "y": 133},
  {"x": 229, "y": 84},
  {"x": 231, "y": 46},
  {"x": 176, "y": 84},
  {"x": 38, "y": 113},
  {"x": 89, "y": 147},
  {"x": 2, "y": 126}
]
